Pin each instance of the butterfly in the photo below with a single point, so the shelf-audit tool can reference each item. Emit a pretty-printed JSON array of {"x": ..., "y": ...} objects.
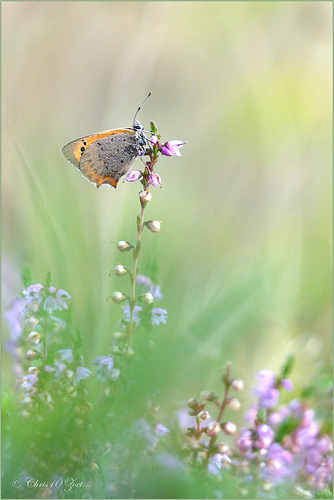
[{"x": 104, "y": 157}]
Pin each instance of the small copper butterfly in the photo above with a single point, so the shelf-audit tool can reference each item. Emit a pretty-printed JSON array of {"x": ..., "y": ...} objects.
[{"x": 104, "y": 157}]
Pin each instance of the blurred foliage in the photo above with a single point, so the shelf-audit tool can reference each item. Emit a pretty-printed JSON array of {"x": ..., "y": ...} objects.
[{"x": 245, "y": 260}]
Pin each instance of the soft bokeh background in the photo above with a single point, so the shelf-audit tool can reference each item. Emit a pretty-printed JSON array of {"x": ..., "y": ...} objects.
[{"x": 245, "y": 259}]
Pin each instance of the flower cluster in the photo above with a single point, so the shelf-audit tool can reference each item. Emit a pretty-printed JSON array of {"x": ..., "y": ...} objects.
[{"x": 282, "y": 443}]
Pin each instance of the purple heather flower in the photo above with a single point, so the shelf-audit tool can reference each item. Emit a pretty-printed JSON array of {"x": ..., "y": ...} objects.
[
  {"x": 278, "y": 464},
  {"x": 266, "y": 392},
  {"x": 161, "y": 430},
  {"x": 66, "y": 355},
  {"x": 265, "y": 436},
  {"x": 144, "y": 431},
  {"x": 154, "y": 139},
  {"x": 245, "y": 440},
  {"x": 133, "y": 176},
  {"x": 58, "y": 302},
  {"x": 171, "y": 148},
  {"x": 154, "y": 179},
  {"x": 217, "y": 462},
  {"x": 287, "y": 384},
  {"x": 105, "y": 369},
  {"x": 15, "y": 317},
  {"x": 159, "y": 316},
  {"x": 136, "y": 314},
  {"x": 81, "y": 373}
]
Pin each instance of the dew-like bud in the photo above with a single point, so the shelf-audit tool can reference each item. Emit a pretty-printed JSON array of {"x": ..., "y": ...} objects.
[
  {"x": 153, "y": 225},
  {"x": 24, "y": 414},
  {"x": 118, "y": 297},
  {"x": 147, "y": 298},
  {"x": 33, "y": 370},
  {"x": 237, "y": 384},
  {"x": 69, "y": 374},
  {"x": 208, "y": 396},
  {"x": 31, "y": 355},
  {"x": 192, "y": 403},
  {"x": 229, "y": 427},
  {"x": 234, "y": 404},
  {"x": 26, "y": 400},
  {"x": 124, "y": 246},
  {"x": 223, "y": 449},
  {"x": 31, "y": 322},
  {"x": 145, "y": 196},
  {"x": 45, "y": 397},
  {"x": 115, "y": 349},
  {"x": 204, "y": 454},
  {"x": 128, "y": 351},
  {"x": 204, "y": 415},
  {"x": 94, "y": 467},
  {"x": 213, "y": 429},
  {"x": 119, "y": 270}
]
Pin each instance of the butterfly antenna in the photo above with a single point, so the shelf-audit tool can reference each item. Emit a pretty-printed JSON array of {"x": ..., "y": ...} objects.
[{"x": 137, "y": 112}]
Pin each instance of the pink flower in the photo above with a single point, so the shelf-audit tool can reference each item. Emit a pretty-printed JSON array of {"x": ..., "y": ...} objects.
[
  {"x": 154, "y": 179},
  {"x": 171, "y": 148},
  {"x": 133, "y": 176}
]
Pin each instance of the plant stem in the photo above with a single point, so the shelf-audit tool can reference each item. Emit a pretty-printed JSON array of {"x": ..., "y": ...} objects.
[
  {"x": 222, "y": 407},
  {"x": 134, "y": 274}
]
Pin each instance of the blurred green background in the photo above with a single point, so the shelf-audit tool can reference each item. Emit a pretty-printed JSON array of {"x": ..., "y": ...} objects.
[{"x": 245, "y": 259}]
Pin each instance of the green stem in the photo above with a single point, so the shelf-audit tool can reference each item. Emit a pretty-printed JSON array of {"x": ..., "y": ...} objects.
[{"x": 134, "y": 274}]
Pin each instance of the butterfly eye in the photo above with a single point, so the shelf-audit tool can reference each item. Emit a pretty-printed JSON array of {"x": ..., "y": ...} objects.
[{"x": 137, "y": 126}]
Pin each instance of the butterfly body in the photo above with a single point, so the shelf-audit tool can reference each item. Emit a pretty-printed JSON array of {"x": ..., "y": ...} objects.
[{"x": 104, "y": 157}]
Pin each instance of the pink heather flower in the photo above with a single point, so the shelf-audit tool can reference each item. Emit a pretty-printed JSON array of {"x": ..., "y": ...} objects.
[
  {"x": 154, "y": 179},
  {"x": 161, "y": 430},
  {"x": 278, "y": 464},
  {"x": 265, "y": 436},
  {"x": 133, "y": 176},
  {"x": 287, "y": 384},
  {"x": 154, "y": 139},
  {"x": 172, "y": 148},
  {"x": 266, "y": 392},
  {"x": 245, "y": 441}
]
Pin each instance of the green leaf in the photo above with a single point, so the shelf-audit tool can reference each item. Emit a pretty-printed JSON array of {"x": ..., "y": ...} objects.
[
  {"x": 323, "y": 494},
  {"x": 26, "y": 276},
  {"x": 262, "y": 415},
  {"x": 48, "y": 279},
  {"x": 287, "y": 367},
  {"x": 154, "y": 128}
]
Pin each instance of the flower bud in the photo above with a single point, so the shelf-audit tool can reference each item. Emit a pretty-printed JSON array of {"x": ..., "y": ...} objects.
[
  {"x": 24, "y": 414},
  {"x": 153, "y": 225},
  {"x": 34, "y": 338},
  {"x": 237, "y": 384},
  {"x": 192, "y": 403},
  {"x": 234, "y": 404},
  {"x": 145, "y": 196},
  {"x": 208, "y": 396},
  {"x": 26, "y": 400},
  {"x": 229, "y": 427},
  {"x": 69, "y": 374},
  {"x": 213, "y": 429},
  {"x": 115, "y": 349},
  {"x": 33, "y": 369},
  {"x": 133, "y": 176},
  {"x": 223, "y": 449},
  {"x": 31, "y": 322},
  {"x": 128, "y": 351},
  {"x": 94, "y": 467},
  {"x": 147, "y": 298},
  {"x": 45, "y": 397},
  {"x": 119, "y": 270},
  {"x": 118, "y": 297},
  {"x": 204, "y": 415},
  {"x": 124, "y": 246},
  {"x": 31, "y": 355},
  {"x": 204, "y": 454}
]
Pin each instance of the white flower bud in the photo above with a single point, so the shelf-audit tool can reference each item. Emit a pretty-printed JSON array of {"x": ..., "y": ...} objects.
[
  {"x": 69, "y": 374},
  {"x": 118, "y": 297},
  {"x": 234, "y": 404},
  {"x": 119, "y": 270},
  {"x": 24, "y": 414},
  {"x": 223, "y": 449},
  {"x": 45, "y": 397},
  {"x": 145, "y": 196},
  {"x": 123, "y": 246},
  {"x": 229, "y": 427},
  {"x": 33, "y": 369},
  {"x": 31, "y": 322},
  {"x": 213, "y": 429},
  {"x": 31, "y": 355},
  {"x": 34, "y": 338},
  {"x": 147, "y": 298},
  {"x": 237, "y": 384},
  {"x": 153, "y": 225},
  {"x": 204, "y": 415},
  {"x": 208, "y": 396},
  {"x": 94, "y": 467}
]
